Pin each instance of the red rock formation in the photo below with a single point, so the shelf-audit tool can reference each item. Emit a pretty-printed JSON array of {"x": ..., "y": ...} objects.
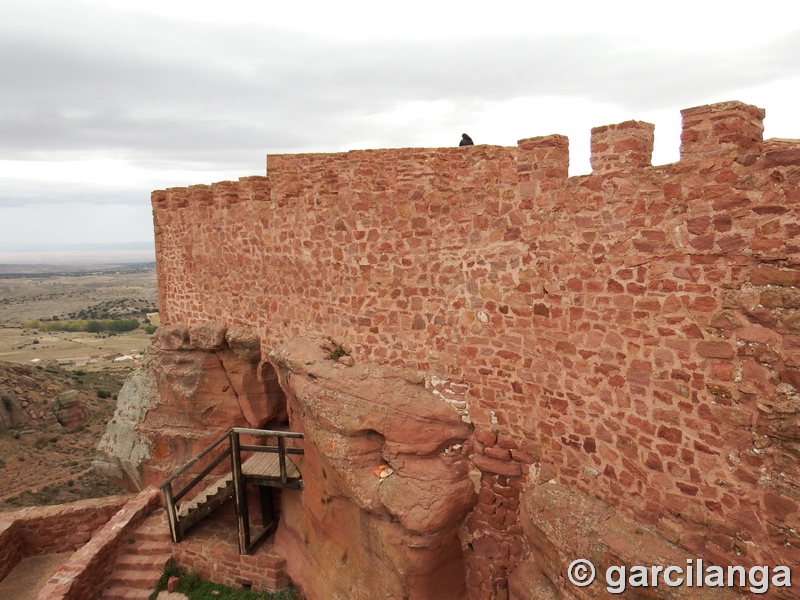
[
  {"x": 195, "y": 383},
  {"x": 355, "y": 531},
  {"x": 68, "y": 410}
]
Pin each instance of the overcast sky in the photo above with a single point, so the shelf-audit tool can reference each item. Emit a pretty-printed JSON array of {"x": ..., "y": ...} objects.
[{"x": 106, "y": 100}]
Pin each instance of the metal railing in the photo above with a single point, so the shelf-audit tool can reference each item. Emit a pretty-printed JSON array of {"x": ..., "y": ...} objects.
[{"x": 234, "y": 450}]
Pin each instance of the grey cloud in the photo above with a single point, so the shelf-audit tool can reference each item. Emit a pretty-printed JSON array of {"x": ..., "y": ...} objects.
[
  {"x": 157, "y": 92},
  {"x": 23, "y": 193}
]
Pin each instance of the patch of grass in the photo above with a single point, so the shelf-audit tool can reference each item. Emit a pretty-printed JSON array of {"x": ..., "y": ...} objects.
[
  {"x": 197, "y": 588},
  {"x": 169, "y": 571}
]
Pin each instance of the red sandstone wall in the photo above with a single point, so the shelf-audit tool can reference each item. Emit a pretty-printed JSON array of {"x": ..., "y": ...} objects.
[
  {"x": 52, "y": 529},
  {"x": 61, "y": 528},
  {"x": 633, "y": 333},
  {"x": 10, "y": 544}
]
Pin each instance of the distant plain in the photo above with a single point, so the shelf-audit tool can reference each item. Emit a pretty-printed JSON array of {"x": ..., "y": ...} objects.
[
  {"x": 31, "y": 292},
  {"x": 47, "y": 464}
]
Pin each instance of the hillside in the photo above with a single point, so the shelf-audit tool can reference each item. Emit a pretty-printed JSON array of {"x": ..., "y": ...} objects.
[{"x": 41, "y": 460}]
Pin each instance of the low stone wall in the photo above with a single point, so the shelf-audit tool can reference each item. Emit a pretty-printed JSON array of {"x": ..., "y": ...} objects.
[
  {"x": 221, "y": 563},
  {"x": 10, "y": 553},
  {"x": 63, "y": 527},
  {"x": 85, "y": 574},
  {"x": 211, "y": 550}
]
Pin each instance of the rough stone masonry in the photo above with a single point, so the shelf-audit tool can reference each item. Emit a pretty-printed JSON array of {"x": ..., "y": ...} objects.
[{"x": 620, "y": 351}]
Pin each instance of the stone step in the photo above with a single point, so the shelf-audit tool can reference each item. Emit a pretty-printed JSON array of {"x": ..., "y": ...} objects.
[
  {"x": 140, "y": 565},
  {"x": 125, "y": 593},
  {"x": 143, "y": 561},
  {"x": 152, "y": 534},
  {"x": 154, "y": 529},
  {"x": 135, "y": 579},
  {"x": 150, "y": 548}
]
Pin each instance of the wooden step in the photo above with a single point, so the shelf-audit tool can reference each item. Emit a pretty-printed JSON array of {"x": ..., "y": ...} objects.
[
  {"x": 223, "y": 486},
  {"x": 205, "y": 503},
  {"x": 267, "y": 466}
]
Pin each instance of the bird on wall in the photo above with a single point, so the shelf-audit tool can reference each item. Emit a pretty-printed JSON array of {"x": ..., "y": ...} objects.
[{"x": 465, "y": 140}]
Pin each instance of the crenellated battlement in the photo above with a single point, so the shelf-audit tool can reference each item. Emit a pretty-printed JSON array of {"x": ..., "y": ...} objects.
[
  {"x": 725, "y": 128},
  {"x": 731, "y": 129},
  {"x": 622, "y": 147}
]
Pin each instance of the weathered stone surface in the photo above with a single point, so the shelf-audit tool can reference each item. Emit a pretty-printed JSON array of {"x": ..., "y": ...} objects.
[
  {"x": 207, "y": 336},
  {"x": 5, "y": 416},
  {"x": 68, "y": 410},
  {"x": 527, "y": 581},
  {"x": 122, "y": 450},
  {"x": 563, "y": 524},
  {"x": 245, "y": 342},
  {"x": 172, "y": 337},
  {"x": 180, "y": 401},
  {"x": 715, "y": 349},
  {"x": 11, "y": 411},
  {"x": 352, "y": 534},
  {"x": 767, "y": 275}
]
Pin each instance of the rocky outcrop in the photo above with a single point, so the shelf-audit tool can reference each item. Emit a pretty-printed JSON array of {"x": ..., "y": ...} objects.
[
  {"x": 386, "y": 488},
  {"x": 26, "y": 396},
  {"x": 68, "y": 410},
  {"x": 11, "y": 412},
  {"x": 194, "y": 384}
]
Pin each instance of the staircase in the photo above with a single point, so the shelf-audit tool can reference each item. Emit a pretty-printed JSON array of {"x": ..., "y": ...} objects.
[
  {"x": 202, "y": 505},
  {"x": 139, "y": 567},
  {"x": 267, "y": 467}
]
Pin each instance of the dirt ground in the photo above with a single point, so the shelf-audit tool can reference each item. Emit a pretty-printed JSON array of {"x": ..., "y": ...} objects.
[
  {"x": 101, "y": 294},
  {"x": 59, "y": 294},
  {"x": 42, "y": 462},
  {"x": 23, "y": 345}
]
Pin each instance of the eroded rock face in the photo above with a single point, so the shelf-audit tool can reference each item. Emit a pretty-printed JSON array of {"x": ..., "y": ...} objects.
[
  {"x": 68, "y": 410},
  {"x": 11, "y": 412},
  {"x": 352, "y": 533},
  {"x": 562, "y": 524},
  {"x": 191, "y": 388}
]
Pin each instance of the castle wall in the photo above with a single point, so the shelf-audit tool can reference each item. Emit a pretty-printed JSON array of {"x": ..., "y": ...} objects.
[{"x": 633, "y": 334}]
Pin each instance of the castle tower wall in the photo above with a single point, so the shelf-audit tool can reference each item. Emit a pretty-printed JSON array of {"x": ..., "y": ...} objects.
[{"x": 632, "y": 334}]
